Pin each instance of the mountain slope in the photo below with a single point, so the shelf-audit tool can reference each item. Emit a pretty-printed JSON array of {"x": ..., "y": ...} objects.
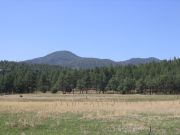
[
  {"x": 56, "y": 58},
  {"x": 136, "y": 61},
  {"x": 68, "y": 59}
]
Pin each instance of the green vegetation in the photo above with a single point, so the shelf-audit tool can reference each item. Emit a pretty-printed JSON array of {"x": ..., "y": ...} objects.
[
  {"x": 68, "y": 124},
  {"x": 152, "y": 78},
  {"x": 70, "y": 60}
]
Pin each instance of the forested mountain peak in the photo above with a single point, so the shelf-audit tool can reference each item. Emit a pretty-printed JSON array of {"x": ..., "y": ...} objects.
[
  {"x": 71, "y": 60},
  {"x": 56, "y": 58},
  {"x": 66, "y": 54}
]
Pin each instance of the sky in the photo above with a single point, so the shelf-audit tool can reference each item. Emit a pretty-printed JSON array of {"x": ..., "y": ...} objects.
[{"x": 113, "y": 29}]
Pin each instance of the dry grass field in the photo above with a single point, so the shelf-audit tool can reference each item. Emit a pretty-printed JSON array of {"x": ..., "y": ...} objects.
[{"x": 91, "y": 114}]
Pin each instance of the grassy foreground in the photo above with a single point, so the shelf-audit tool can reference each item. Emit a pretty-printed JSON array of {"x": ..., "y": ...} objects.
[{"x": 91, "y": 115}]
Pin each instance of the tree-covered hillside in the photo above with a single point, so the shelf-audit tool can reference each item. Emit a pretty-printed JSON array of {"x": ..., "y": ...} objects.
[
  {"x": 151, "y": 78},
  {"x": 71, "y": 60}
]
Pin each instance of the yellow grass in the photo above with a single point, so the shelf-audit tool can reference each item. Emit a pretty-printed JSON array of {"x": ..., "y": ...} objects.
[
  {"x": 126, "y": 114},
  {"x": 105, "y": 106}
]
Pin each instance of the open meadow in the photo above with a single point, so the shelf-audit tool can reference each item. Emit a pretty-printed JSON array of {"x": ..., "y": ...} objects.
[{"x": 92, "y": 114}]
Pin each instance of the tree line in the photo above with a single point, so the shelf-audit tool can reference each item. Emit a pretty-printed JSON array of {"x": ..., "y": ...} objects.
[{"x": 152, "y": 78}]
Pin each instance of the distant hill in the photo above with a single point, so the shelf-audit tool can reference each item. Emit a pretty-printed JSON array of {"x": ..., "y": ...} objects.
[
  {"x": 137, "y": 61},
  {"x": 70, "y": 60}
]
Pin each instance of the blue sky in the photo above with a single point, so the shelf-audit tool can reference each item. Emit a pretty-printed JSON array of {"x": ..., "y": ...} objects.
[{"x": 115, "y": 29}]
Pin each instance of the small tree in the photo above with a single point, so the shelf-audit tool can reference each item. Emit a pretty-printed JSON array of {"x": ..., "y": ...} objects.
[
  {"x": 140, "y": 86},
  {"x": 81, "y": 85}
]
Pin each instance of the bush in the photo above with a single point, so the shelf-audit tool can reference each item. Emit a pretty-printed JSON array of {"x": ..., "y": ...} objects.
[{"x": 54, "y": 91}]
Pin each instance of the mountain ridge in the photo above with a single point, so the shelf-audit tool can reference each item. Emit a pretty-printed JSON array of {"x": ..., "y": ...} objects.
[{"x": 71, "y": 60}]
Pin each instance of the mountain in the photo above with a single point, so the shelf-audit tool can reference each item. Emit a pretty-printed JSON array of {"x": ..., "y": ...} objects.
[
  {"x": 137, "y": 61},
  {"x": 70, "y": 60}
]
